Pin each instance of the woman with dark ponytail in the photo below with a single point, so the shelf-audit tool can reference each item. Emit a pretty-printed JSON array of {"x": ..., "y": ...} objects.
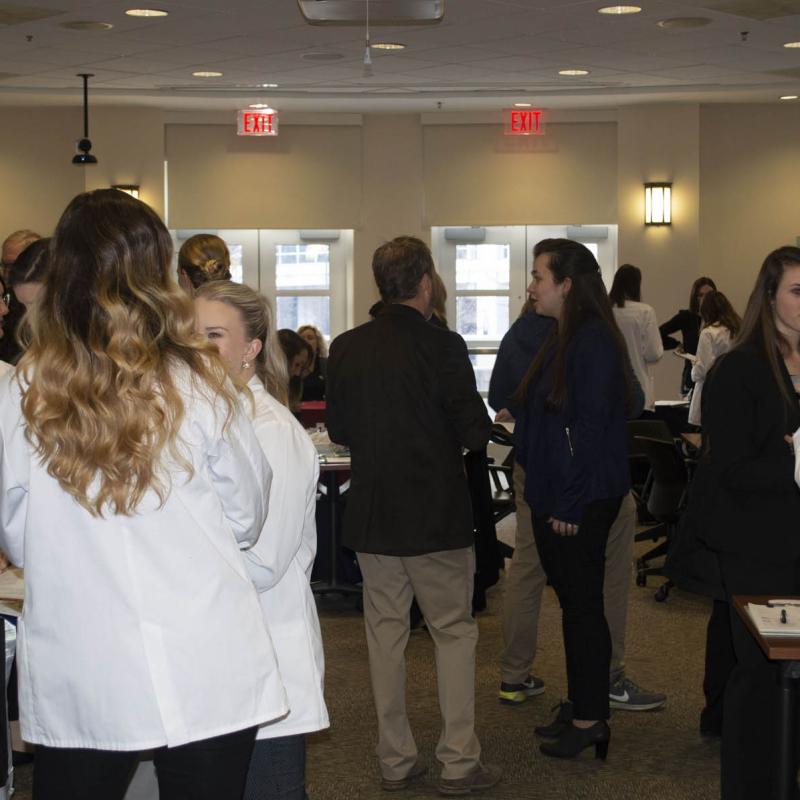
[{"x": 573, "y": 445}]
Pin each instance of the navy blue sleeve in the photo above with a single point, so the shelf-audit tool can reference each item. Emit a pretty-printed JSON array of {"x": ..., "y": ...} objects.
[{"x": 503, "y": 383}]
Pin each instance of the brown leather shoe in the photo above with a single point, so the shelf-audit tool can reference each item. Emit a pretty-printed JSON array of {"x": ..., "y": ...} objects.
[
  {"x": 479, "y": 780},
  {"x": 389, "y": 785}
]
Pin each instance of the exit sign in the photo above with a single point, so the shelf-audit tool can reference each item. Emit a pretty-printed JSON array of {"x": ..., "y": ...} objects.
[
  {"x": 263, "y": 122},
  {"x": 524, "y": 121}
]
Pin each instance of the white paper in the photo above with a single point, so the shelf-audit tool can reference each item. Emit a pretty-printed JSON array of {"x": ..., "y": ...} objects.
[{"x": 768, "y": 620}]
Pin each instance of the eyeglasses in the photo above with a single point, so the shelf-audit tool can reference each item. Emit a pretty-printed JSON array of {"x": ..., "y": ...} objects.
[{"x": 6, "y": 298}]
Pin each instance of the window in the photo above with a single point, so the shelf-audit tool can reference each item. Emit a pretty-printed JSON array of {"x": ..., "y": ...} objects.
[
  {"x": 302, "y": 286},
  {"x": 482, "y": 273}
]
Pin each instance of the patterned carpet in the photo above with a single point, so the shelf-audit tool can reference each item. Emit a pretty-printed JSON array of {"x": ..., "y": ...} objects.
[{"x": 653, "y": 755}]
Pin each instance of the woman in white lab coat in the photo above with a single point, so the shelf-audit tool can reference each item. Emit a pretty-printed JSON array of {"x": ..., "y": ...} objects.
[
  {"x": 130, "y": 479},
  {"x": 637, "y": 322},
  {"x": 238, "y": 320},
  {"x": 720, "y": 326}
]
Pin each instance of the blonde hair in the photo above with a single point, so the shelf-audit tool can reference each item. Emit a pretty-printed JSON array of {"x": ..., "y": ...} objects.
[
  {"x": 322, "y": 348},
  {"x": 438, "y": 296},
  {"x": 24, "y": 236},
  {"x": 256, "y": 315},
  {"x": 107, "y": 335},
  {"x": 204, "y": 257}
]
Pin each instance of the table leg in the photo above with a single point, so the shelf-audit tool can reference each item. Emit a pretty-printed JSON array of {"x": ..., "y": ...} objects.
[
  {"x": 333, "y": 497},
  {"x": 787, "y": 767}
]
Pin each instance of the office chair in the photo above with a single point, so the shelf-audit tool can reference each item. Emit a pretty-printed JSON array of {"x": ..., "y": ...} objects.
[
  {"x": 501, "y": 477},
  {"x": 666, "y": 500}
]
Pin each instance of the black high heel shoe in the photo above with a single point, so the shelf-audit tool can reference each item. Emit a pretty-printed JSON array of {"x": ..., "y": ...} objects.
[
  {"x": 562, "y": 721},
  {"x": 573, "y": 740}
]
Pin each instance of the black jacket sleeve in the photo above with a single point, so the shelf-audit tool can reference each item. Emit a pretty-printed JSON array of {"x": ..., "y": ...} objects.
[{"x": 462, "y": 404}]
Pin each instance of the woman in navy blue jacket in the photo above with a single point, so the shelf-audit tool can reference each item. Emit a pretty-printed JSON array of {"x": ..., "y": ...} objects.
[{"x": 574, "y": 450}]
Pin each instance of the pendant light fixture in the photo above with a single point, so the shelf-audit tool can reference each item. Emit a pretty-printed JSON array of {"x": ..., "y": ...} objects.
[{"x": 84, "y": 155}]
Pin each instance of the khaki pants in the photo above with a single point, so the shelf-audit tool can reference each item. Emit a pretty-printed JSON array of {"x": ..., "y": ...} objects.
[
  {"x": 526, "y": 580},
  {"x": 442, "y": 583}
]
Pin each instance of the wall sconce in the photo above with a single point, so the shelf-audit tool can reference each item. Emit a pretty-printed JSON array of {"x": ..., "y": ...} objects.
[
  {"x": 129, "y": 188},
  {"x": 658, "y": 204}
]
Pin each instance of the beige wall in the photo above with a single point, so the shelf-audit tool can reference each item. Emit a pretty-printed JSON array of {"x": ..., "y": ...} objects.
[
  {"x": 307, "y": 177},
  {"x": 37, "y": 178},
  {"x": 660, "y": 143},
  {"x": 750, "y": 190},
  {"x": 129, "y": 144},
  {"x": 474, "y": 175}
]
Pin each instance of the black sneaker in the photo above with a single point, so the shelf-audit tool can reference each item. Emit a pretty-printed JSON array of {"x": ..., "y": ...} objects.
[
  {"x": 563, "y": 718},
  {"x": 516, "y": 693}
]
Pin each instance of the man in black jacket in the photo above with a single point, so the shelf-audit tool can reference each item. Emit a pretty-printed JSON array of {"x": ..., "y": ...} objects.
[{"x": 401, "y": 395}]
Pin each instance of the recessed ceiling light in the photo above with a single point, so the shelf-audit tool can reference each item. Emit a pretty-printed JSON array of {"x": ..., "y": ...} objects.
[
  {"x": 683, "y": 22},
  {"x": 268, "y": 85},
  {"x": 388, "y": 46},
  {"x": 146, "y": 12},
  {"x": 259, "y": 105},
  {"x": 86, "y": 25},
  {"x": 792, "y": 45},
  {"x": 522, "y": 105},
  {"x": 573, "y": 72},
  {"x": 207, "y": 74},
  {"x": 617, "y": 10},
  {"x": 789, "y": 97}
]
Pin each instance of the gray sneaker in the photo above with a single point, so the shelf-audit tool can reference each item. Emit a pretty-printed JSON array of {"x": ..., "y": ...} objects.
[{"x": 626, "y": 695}]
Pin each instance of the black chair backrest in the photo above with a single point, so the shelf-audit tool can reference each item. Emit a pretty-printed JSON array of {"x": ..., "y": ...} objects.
[
  {"x": 670, "y": 478},
  {"x": 500, "y": 435}
]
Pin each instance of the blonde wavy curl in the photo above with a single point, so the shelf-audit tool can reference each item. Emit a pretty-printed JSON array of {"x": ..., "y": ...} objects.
[{"x": 108, "y": 336}]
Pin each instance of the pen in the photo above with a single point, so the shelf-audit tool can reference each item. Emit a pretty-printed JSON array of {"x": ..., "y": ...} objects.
[
  {"x": 783, "y": 616},
  {"x": 569, "y": 442}
]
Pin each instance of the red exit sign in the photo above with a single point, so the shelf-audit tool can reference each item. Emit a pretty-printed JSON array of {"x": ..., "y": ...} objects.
[
  {"x": 524, "y": 121},
  {"x": 258, "y": 123}
]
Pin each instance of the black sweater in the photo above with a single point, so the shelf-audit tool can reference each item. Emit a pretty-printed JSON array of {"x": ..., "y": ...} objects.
[{"x": 755, "y": 501}]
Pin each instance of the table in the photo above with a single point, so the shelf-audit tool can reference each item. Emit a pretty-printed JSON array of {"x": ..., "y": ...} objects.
[
  {"x": 329, "y": 477},
  {"x": 786, "y": 651},
  {"x": 312, "y": 413}
]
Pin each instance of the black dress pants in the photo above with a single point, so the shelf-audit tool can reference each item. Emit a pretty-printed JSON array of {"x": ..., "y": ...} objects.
[
  {"x": 575, "y": 566},
  {"x": 211, "y": 769},
  {"x": 720, "y": 660},
  {"x": 750, "y": 723}
]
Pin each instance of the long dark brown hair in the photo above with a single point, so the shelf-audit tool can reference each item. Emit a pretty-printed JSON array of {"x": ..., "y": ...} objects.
[
  {"x": 717, "y": 310},
  {"x": 694, "y": 299},
  {"x": 586, "y": 298},
  {"x": 758, "y": 325},
  {"x": 627, "y": 285}
]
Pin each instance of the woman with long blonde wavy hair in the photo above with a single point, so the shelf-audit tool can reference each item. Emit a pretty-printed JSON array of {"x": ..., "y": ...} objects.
[
  {"x": 131, "y": 477},
  {"x": 238, "y": 320}
]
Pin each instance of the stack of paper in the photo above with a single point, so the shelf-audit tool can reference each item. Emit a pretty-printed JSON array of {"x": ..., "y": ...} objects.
[{"x": 768, "y": 620}]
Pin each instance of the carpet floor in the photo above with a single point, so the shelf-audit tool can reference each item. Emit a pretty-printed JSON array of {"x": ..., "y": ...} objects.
[{"x": 656, "y": 754}]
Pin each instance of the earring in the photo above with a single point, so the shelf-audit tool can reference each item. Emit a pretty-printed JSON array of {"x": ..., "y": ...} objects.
[{"x": 245, "y": 364}]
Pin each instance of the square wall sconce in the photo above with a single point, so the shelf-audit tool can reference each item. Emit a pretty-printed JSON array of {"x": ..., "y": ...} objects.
[
  {"x": 128, "y": 188},
  {"x": 658, "y": 204}
]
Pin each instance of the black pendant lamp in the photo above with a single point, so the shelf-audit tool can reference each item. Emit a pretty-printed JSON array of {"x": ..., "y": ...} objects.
[{"x": 84, "y": 155}]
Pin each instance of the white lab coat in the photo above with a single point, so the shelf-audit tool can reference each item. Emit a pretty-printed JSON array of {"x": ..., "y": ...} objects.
[
  {"x": 125, "y": 639},
  {"x": 637, "y": 322},
  {"x": 713, "y": 342},
  {"x": 280, "y": 563}
]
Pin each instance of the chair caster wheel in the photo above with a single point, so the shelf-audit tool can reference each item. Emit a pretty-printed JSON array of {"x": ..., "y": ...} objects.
[
  {"x": 662, "y": 594},
  {"x": 641, "y": 580}
]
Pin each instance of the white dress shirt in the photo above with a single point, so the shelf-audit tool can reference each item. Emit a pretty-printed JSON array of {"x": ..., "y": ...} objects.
[
  {"x": 126, "y": 639},
  {"x": 713, "y": 342},
  {"x": 280, "y": 564},
  {"x": 639, "y": 327}
]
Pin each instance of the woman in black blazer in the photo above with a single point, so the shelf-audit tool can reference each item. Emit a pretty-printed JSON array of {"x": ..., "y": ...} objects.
[
  {"x": 752, "y": 407},
  {"x": 687, "y": 323}
]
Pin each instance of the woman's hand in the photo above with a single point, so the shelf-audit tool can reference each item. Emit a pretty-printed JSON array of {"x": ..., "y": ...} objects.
[
  {"x": 503, "y": 415},
  {"x": 563, "y": 528}
]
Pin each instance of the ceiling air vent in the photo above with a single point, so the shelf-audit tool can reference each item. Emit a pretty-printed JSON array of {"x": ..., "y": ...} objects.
[
  {"x": 381, "y": 12},
  {"x": 17, "y": 15}
]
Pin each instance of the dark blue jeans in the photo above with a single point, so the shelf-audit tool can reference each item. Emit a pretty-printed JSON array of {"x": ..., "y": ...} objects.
[
  {"x": 211, "y": 769},
  {"x": 277, "y": 769}
]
